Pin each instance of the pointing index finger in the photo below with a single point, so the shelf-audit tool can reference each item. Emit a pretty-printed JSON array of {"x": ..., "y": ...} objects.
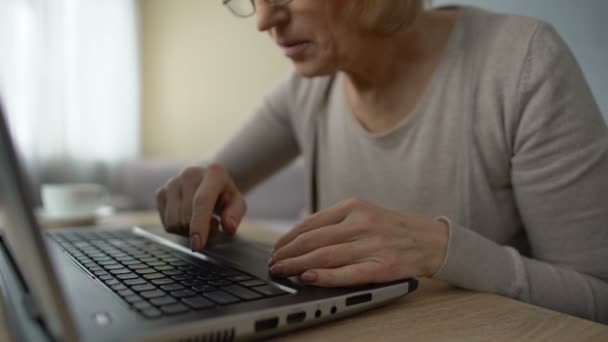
[{"x": 203, "y": 204}]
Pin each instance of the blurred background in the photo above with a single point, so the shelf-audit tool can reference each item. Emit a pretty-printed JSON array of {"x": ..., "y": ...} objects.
[{"x": 126, "y": 92}]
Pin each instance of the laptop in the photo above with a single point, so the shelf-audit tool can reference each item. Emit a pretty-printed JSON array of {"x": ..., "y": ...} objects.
[{"x": 134, "y": 284}]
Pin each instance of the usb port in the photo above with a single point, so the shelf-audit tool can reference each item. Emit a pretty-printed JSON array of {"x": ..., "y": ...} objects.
[
  {"x": 266, "y": 324},
  {"x": 363, "y": 298},
  {"x": 296, "y": 317}
]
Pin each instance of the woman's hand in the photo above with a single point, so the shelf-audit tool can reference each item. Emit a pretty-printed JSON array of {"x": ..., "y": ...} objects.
[
  {"x": 187, "y": 203},
  {"x": 357, "y": 243}
]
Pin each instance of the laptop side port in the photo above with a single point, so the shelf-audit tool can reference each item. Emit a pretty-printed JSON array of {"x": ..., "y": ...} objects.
[
  {"x": 296, "y": 317},
  {"x": 362, "y": 298},
  {"x": 266, "y": 324}
]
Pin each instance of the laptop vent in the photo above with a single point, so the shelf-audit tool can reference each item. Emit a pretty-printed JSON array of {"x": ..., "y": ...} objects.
[{"x": 218, "y": 336}]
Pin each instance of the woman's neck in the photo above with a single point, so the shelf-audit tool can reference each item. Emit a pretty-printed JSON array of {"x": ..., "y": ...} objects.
[{"x": 384, "y": 82}]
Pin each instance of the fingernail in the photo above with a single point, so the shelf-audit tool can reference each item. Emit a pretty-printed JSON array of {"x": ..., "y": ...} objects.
[
  {"x": 309, "y": 277},
  {"x": 277, "y": 268},
  {"x": 233, "y": 223},
  {"x": 269, "y": 261},
  {"x": 195, "y": 242}
]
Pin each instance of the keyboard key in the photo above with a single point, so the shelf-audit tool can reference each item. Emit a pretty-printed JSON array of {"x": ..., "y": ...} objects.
[
  {"x": 145, "y": 271},
  {"x": 220, "y": 282},
  {"x": 253, "y": 282},
  {"x": 221, "y": 297},
  {"x": 118, "y": 287},
  {"x": 183, "y": 293},
  {"x": 182, "y": 277},
  {"x": 154, "y": 276},
  {"x": 148, "y": 259},
  {"x": 114, "y": 266},
  {"x": 162, "y": 281},
  {"x": 135, "y": 281},
  {"x": 132, "y": 299},
  {"x": 100, "y": 273},
  {"x": 194, "y": 282},
  {"x": 107, "y": 262},
  {"x": 120, "y": 256},
  {"x": 268, "y": 290},
  {"x": 120, "y": 271},
  {"x": 131, "y": 262},
  {"x": 127, "y": 276},
  {"x": 198, "y": 303},
  {"x": 175, "y": 261},
  {"x": 158, "y": 264},
  {"x": 241, "y": 277},
  {"x": 152, "y": 294},
  {"x": 142, "y": 305},
  {"x": 152, "y": 313},
  {"x": 162, "y": 300},
  {"x": 172, "y": 287},
  {"x": 144, "y": 287},
  {"x": 196, "y": 272},
  {"x": 105, "y": 277},
  {"x": 242, "y": 292},
  {"x": 137, "y": 266},
  {"x": 208, "y": 277},
  {"x": 173, "y": 272},
  {"x": 174, "y": 309},
  {"x": 125, "y": 258},
  {"x": 163, "y": 267},
  {"x": 124, "y": 293},
  {"x": 101, "y": 260},
  {"x": 111, "y": 282},
  {"x": 204, "y": 288}
]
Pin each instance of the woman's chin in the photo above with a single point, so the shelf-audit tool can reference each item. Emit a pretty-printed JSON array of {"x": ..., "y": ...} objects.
[{"x": 307, "y": 69}]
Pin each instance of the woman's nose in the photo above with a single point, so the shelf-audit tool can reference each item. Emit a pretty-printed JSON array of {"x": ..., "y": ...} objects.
[{"x": 268, "y": 16}]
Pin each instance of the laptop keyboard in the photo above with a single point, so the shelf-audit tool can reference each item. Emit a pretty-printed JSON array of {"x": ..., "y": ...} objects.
[{"x": 157, "y": 280}]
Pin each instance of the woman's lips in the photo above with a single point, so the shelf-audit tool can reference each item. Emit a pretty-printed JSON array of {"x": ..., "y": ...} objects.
[{"x": 294, "y": 49}]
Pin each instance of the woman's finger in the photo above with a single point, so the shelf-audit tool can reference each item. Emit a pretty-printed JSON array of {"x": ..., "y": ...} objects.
[
  {"x": 173, "y": 206},
  {"x": 161, "y": 203},
  {"x": 313, "y": 240},
  {"x": 233, "y": 209},
  {"x": 350, "y": 275},
  {"x": 327, "y": 217},
  {"x": 327, "y": 257},
  {"x": 203, "y": 204}
]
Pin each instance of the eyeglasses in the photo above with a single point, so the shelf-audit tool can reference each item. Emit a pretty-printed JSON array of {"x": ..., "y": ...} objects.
[{"x": 246, "y": 8}]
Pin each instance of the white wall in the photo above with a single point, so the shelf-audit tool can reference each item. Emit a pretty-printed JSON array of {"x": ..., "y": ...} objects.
[
  {"x": 203, "y": 72},
  {"x": 583, "y": 24}
]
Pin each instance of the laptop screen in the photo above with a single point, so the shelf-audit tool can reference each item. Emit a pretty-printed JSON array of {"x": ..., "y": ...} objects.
[{"x": 26, "y": 243}]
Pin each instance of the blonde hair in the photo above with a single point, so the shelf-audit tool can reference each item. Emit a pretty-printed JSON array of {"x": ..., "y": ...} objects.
[{"x": 388, "y": 16}]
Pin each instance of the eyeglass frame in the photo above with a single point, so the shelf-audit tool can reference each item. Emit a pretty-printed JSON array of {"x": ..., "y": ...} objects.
[{"x": 279, "y": 3}]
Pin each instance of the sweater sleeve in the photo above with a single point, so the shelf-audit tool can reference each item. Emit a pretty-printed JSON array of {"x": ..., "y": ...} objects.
[
  {"x": 560, "y": 180},
  {"x": 265, "y": 142}
]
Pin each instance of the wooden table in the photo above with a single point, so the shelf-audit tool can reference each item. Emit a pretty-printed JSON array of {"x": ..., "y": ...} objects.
[{"x": 436, "y": 311}]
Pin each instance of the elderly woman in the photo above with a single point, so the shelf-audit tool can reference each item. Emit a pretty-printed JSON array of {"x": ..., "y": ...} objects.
[{"x": 451, "y": 143}]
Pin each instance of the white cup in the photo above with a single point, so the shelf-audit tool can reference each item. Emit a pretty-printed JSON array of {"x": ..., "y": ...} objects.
[{"x": 73, "y": 199}]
